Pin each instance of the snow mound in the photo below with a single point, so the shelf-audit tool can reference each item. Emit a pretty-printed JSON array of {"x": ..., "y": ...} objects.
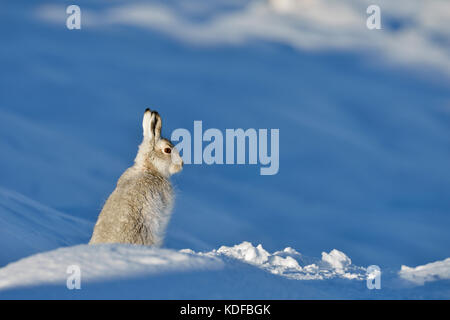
[
  {"x": 247, "y": 252},
  {"x": 109, "y": 261},
  {"x": 100, "y": 263},
  {"x": 337, "y": 259},
  {"x": 291, "y": 264},
  {"x": 439, "y": 270},
  {"x": 245, "y": 271}
]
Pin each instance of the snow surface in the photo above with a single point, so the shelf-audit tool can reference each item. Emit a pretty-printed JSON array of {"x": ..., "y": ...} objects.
[
  {"x": 27, "y": 227},
  {"x": 307, "y": 25},
  {"x": 243, "y": 271},
  {"x": 129, "y": 271},
  {"x": 140, "y": 272},
  {"x": 99, "y": 262},
  {"x": 364, "y": 123}
]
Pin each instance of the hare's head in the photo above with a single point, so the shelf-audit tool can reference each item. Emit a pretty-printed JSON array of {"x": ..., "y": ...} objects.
[{"x": 155, "y": 152}]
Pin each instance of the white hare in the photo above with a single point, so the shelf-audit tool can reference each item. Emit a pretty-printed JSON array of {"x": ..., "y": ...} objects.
[{"x": 139, "y": 208}]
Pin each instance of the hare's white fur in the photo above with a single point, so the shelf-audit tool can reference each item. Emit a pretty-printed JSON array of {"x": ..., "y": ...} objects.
[{"x": 139, "y": 208}]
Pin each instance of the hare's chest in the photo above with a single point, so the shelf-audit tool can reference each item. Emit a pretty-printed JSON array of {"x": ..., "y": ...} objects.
[{"x": 156, "y": 214}]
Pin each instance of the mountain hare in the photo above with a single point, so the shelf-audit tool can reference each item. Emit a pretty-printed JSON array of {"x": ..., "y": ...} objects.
[{"x": 139, "y": 208}]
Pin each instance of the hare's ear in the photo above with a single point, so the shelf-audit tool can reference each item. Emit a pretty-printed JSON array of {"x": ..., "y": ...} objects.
[
  {"x": 158, "y": 126},
  {"x": 148, "y": 124}
]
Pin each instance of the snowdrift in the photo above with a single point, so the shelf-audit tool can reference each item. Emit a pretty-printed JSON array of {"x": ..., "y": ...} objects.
[{"x": 243, "y": 271}]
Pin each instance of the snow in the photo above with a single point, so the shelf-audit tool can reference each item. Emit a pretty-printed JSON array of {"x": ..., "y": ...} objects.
[
  {"x": 363, "y": 147},
  {"x": 28, "y": 227},
  {"x": 290, "y": 264},
  {"x": 240, "y": 271},
  {"x": 306, "y": 25},
  {"x": 247, "y": 252},
  {"x": 336, "y": 259},
  {"x": 365, "y": 174},
  {"x": 434, "y": 271},
  {"x": 43, "y": 240},
  {"x": 99, "y": 262}
]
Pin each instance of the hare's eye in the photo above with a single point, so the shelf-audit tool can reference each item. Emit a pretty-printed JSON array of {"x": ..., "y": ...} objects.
[{"x": 167, "y": 150}]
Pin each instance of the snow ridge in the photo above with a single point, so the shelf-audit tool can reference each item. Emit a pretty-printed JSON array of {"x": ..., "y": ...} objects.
[
  {"x": 147, "y": 272},
  {"x": 100, "y": 263},
  {"x": 293, "y": 265}
]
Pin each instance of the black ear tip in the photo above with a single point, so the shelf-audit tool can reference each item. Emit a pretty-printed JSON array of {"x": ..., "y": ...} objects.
[{"x": 147, "y": 110}]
